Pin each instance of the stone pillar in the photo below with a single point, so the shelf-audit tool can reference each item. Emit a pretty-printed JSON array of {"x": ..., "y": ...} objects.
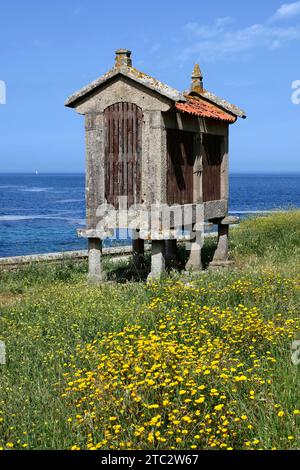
[
  {"x": 195, "y": 260},
  {"x": 95, "y": 184},
  {"x": 158, "y": 259},
  {"x": 222, "y": 251},
  {"x": 225, "y": 168},
  {"x": 95, "y": 275},
  {"x": 157, "y": 169},
  {"x": 198, "y": 170},
  {"x": 221, "y": 255},
  {"x": 138, "y": 250}
]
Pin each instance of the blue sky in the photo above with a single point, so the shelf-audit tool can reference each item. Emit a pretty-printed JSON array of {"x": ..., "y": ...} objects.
[{"x": 248, "y": 51}]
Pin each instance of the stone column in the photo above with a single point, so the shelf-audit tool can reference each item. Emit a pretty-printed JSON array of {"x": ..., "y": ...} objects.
[
  {"x": 222, "y": 251},
  {"x": 138, "y": 250},
  {"x": 95, "y": 191},
  {"x": 157, "y": 170},
  {"x": 198, "y": 170},
  {"x": 158, "y": 259},
  {"x": 95, "y": 275},
  {"x": 197, "y": 227},
  {"x": 195, "y": 259},
  {"x": 225, "y": 168}
]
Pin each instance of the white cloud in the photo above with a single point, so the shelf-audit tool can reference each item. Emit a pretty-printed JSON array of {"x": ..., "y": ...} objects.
[
  {"x": 224, "y": 21},
  {"x": 221, "y": 38},
  {"x": 287, "y": 11},
  {"x": 208, "y": 31}
]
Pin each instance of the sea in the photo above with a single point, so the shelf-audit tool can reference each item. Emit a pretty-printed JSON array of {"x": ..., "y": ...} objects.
[{"x": 40, "y": 213}]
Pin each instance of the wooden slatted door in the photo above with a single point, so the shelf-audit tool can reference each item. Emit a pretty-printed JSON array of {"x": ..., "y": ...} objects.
[
  {"x": 180, "y": 167},
  {"x": 211, "y": 161},
  {"x": 123, "y": 152}
]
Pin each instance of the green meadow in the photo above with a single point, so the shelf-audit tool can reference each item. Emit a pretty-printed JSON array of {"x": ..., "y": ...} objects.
[{"x": 201, "y": 362}]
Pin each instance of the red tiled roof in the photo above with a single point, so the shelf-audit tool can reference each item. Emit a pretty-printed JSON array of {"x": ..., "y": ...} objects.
[{"x": 200, "y": 107}]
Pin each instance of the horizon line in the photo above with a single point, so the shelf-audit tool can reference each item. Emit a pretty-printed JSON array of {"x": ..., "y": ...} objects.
[{"x": 231, "y": 173}]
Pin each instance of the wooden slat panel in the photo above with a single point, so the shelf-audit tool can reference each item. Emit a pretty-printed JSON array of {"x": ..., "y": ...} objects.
[
  {"x": 212, "y": 159},
  {"x": 180, "y": 167},
  {"x": 123, "y": 152}
]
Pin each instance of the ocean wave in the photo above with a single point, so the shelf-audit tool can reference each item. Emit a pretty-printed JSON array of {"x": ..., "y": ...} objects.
[
  {"x": 13, "y": 218},
  {"x": 16, "y": 218},
  {"x": 35, "y": 190},
  {"x": 8, "y": 186}
]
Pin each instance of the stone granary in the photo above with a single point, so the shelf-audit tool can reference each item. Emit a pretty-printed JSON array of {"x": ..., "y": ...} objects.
[{"x": 148, "y": 147}]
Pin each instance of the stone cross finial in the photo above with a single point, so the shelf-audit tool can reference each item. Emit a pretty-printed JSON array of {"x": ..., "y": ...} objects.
[
  {"x": 197, "y": 79},
  {"x": 123, "y": 57}
]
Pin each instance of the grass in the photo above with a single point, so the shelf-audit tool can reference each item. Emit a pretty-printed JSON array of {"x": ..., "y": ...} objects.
[{"x": 200, "y": 363}]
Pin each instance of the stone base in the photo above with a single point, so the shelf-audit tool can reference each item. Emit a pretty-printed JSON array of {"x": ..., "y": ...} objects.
[
  {"x": 95, "y": 280},
  {"x": 216, "y": 265},
  {"x": 95, "y": 275},
  {"x": 158, "y": 260},
  {"x": 194, "y": 263}
]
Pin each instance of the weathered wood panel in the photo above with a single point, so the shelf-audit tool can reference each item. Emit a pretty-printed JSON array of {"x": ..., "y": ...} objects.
[
  {"x": 212, "y": 159},
  {"x": 123, "y": 153},
  {"x": 180, "y": 167}
]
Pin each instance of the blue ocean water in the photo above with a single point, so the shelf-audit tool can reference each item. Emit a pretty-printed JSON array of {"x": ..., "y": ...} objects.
[{"x": 40, "y": 213}]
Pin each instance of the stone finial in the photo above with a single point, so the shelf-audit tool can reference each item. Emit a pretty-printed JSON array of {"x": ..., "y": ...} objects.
[
  {"x": 123, "y": 57},
  {"x": 197, "y": 79}
]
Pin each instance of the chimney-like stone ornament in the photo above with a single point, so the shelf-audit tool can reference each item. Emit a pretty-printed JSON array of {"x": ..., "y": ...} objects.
[
  {"x": 123, "y": 58},
  {"x": 197, "y": 80}
]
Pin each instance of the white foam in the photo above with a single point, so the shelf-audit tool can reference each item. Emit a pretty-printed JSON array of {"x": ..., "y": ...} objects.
[
  {"x": 36, "y": 190},
  {"x": 15, "y": 218},
  {"x": 11, "y": 218},
  {"x": 8, "y": 186}
]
